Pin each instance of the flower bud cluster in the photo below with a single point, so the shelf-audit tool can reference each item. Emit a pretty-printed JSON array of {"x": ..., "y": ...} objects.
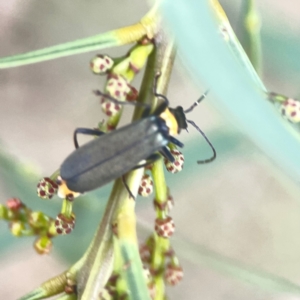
[
  {"x": 46, "y": 189},
  {"x": 288, "y": 107},
  {"x": 120, "y": 72},
  {"x": 25, "y": 222},
  {"x": 169, "y": 269}
]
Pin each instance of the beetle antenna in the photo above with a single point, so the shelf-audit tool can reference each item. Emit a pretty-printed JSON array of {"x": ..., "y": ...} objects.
[
  {"x": 196, "y": 103},
  {"x": 155, "y": 89},
  {"x": 116, "y": 101},
  {"x": 209, "y": 143}
]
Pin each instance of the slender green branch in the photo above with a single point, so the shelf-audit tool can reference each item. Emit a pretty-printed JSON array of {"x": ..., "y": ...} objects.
[
  {"x": 55, "y": 285},
  {"x": 126, "y": 35},
  {"x": 36, "y": 294},
  {"x": 160, "y": 60},
  {"x": 98, "y": 259},
  {"x": 201, "y": 255},
  {"x": 118, "y": 205},
  {"x": 234, "y": 44},
  {"x": 97, "y": 42},
  {"x": 127, "y": 238},
  {"x": 68, "y": 297},
  {"x": 250, "y": 33},
  {"x": 161, "y": 244}
]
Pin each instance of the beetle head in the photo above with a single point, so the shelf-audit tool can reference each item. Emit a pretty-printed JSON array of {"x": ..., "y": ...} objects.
[{"x": 179, "y": 115}]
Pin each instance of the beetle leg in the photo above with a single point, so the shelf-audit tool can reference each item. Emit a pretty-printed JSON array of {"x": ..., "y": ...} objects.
[
  {"x": 165, "y": 152},
  {"x": 150, "y": 160},
  {"x": 116, "y": 101},
  {"x": 127, "y": 187},
  {"x": 175, "y": 142},
  {"x": 87, "y": 131},
  {"x": 161, "y": 108}
]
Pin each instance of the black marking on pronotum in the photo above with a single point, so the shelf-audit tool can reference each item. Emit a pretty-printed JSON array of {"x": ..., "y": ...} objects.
[{"x": 113, "y": 154}]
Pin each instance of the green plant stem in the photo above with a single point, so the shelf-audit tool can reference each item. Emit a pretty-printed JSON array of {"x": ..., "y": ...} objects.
[
  {"x": 165, "y": 56},
  {"x": 234, "y": 44},
  {"x": 126, "y": 35},
  {"x": 161, "y": 244},
  {"x": 55, "y": 285},
  {"x": 98, "y": 259},
  {"x": 67, "y": 208},
  {"x": 161, "y": 191},
  {"x": 200, "y": 256},
  {"x": 68, "y": 297},
  {"x": 160, "y": 60},
  {"x": 122, "y": 68},
  {"x": 250, "y": 33},
  {"x": 127, "y": 238}
]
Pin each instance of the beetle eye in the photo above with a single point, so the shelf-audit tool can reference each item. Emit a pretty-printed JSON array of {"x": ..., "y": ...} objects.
[{"x": 58, "y": 181}]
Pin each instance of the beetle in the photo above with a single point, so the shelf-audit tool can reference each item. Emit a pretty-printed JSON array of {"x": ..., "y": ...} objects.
[{"x": 111, "y": 155}]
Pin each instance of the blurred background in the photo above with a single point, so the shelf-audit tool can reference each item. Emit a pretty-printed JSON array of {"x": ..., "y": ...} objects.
[{"x": 241, "y": 206}]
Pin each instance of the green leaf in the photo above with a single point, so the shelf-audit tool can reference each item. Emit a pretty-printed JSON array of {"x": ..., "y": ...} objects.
[
  {"x": 101, "y": 41},
  {"x": 122, "y": 36},
  {"x": 134, "y": 274},
  {"x": 250, "y": 32},
  {"x": 237, "y": 94}
]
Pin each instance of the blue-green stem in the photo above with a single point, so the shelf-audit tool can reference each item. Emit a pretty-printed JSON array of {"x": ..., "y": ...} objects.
[{"x": 250, "y": 33}]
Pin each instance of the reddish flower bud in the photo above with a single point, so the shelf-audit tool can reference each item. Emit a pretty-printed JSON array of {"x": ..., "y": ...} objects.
[
  {"x": 46, "y": 188},
  {"x": 133, "y": 94},
  {"x": 101, "y": 64},
  {"x": 145, "y": 253},
  {"x": 164, "y": 227},
  {"x": 164, "y": 206},
  {"x": 290, "y": 109},
  {"x": 117, "y": 87},
  {"x": 173, "y": 274},
  {"x": 14, "y": 204},
  {"x": 146, "y": 186},
  {"x": 63, "y": 224},
  {"x": 70, "y": 287},
  {"x": 109, "y": 108},
  {"x": 177, "y": 165}
]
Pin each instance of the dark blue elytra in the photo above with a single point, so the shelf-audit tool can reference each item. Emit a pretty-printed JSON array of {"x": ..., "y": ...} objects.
[{"x": 114, "y": 154}]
